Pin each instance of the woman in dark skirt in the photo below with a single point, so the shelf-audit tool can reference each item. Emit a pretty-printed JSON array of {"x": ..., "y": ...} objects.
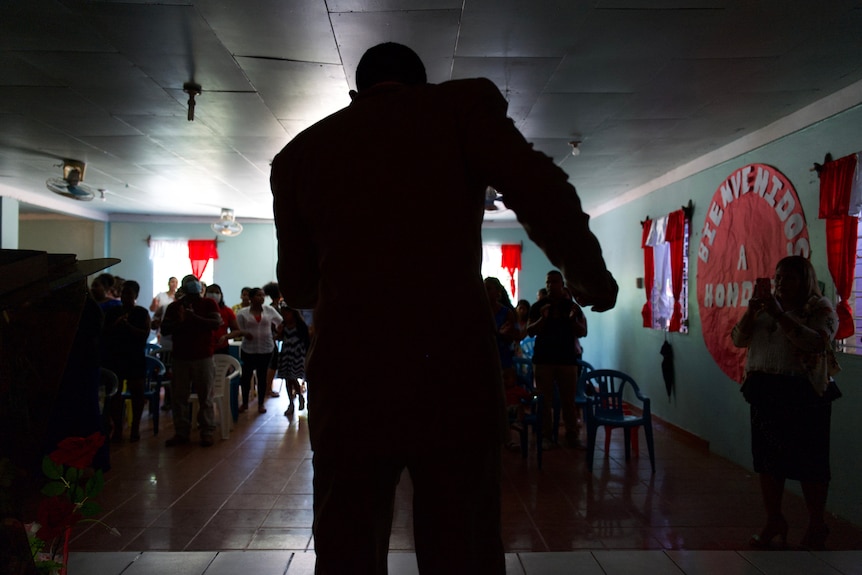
[{"x": 788, "y": 366}]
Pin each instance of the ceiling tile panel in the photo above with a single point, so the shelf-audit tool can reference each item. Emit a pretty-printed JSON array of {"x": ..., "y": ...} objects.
[
  {"x": 431, "y": 33},
  {"x": 296, "y": 30},
  {"x": 567, "y": 115},
  {"x": 298, "y": 90},
  {"x": 520, "y": 75},
  {"x": 234, "y": 113}
]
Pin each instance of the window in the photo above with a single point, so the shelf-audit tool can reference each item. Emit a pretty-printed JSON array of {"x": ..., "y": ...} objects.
[
  {"x": 170, "y": 258},
  {"x": 492, "y": 266},
  {"x": 665, "y": 245},
  {"x": 841, "y": 207}
]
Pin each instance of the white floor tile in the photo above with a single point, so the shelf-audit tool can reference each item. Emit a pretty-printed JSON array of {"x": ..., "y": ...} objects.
[
  {"x": 712, "y": 563},
  {"x": 257, "y": 562},
  {"x": 848, "y": 562},
  {"x": 302, "y": 563},
  {"x": 624, "y": 562},
  {"x": 580, "y": 562},
  {"x": 101, "y": 563},
  {"x": 171, "y": 563},
  {"x": 513, "y": 564},
  {"x": 788, "y": 563}
]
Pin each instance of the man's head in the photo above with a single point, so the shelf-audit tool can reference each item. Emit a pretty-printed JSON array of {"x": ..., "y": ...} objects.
[
  {"x": 131, "y": 290},
  {"x": 389, "y": 62},
  {"x": 554, "y": 283},
  {"x": 271, "y": 290},
  {"x": 192, "y": 286}
]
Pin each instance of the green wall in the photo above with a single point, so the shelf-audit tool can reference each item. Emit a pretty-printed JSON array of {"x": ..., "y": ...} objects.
[{"x": 706, "y": 402}]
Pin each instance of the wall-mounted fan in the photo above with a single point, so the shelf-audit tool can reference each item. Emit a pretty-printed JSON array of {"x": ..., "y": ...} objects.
[
  {"x": 71, "y": 184},
  {"x": 494, "y": 201},
  {"x": 226, "y": 224}
]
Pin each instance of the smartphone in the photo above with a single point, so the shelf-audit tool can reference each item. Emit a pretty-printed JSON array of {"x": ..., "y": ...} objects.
[{"x": 762, "y": 288}]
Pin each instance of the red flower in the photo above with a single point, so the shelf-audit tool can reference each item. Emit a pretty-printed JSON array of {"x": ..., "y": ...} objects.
[
  {"x": 55, "y": 515},
  {"x": 77, "y": 452}
]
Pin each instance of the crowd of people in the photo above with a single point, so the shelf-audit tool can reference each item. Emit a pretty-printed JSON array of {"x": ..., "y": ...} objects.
[{"x": 185, "y": 326}]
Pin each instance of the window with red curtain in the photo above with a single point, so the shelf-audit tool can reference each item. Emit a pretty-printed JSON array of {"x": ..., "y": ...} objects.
[
  {"x": 840, "y": 185},
  {"x": 510, "y": 260},
  {"x": 665, "y": 245},
  {"x": 200, "y": 253}
]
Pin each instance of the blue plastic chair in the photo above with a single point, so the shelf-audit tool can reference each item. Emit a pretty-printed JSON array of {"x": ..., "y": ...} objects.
[
  {"x": 152, "y": 388},
  {"x": 527, "y": 344},
  {"x": 605, "y": 406}
]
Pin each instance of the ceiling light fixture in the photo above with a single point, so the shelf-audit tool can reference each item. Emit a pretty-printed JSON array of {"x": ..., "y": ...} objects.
[
  {"x": 192, "y": 90},
  {"x": 576, "y": 147},
  {"x": 226, "y": 224}
]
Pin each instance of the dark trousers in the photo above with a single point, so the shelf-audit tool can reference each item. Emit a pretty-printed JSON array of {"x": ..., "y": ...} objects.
[
  {"x": 456, "y": 510},
  {"x": 254, "y": 363}
]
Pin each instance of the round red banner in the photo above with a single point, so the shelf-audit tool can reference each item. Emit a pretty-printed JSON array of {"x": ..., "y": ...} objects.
[{"x": 754, "y": 219}]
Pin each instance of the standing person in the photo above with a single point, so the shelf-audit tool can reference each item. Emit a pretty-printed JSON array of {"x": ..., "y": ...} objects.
[
  {"x": 557, "y": 322},
  {"x": 126, "y": 330},
  {"x": 164, "y": 298},
  {"x": 346, "y": 254},
  {"x": 787, "y": 382},
  {"x": 244, "y": 300},
  {"x": 229, "y": 326},
  {"x": 506, "y": 332},
  {"x": 190, "y": 321},
  {"x": 271, "y": 291},
  {"x": 100, "y": 289},
  {"x": 291, "y": 357},
  {"x": 522, "y": 318},
  {"x": 258, "y": 324}
]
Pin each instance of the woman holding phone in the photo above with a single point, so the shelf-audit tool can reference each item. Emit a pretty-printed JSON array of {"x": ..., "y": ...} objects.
[{"x": 787, "y": 382}]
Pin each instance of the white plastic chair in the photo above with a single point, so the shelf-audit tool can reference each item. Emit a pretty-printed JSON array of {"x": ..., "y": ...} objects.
[{"x": 221, "y": 384}]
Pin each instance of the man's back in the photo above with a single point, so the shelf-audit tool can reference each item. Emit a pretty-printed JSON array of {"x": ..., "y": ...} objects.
[
  {"x": 379, "y": 211},
  {"x": 378, "y": 204}
]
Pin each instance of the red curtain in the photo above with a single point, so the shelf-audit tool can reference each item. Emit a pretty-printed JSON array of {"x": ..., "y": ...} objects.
[
  {"x": 200, "y": 253},
  {"x": 649, "y": 274},
  {"x": 510, "y": 261},
  {"x": 675, "y": 236},
  {"x": 836, "y": 180}
]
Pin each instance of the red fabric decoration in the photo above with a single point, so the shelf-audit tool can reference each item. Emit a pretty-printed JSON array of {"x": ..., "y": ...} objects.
[
  {"x": 649, "y": 274},
  {"x": 510, "y": 261},
  {"x": 675, "y": 236},
  {"x": 200, "y": 253},
  {"x": 836, "y": 179}
]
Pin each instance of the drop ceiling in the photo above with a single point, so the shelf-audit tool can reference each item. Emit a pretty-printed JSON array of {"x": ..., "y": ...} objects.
[{"x": 647, "y": 86}]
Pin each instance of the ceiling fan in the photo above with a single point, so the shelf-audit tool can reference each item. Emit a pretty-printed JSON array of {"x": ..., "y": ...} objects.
[
  {"x": 494, "y": 201},
  {"x": 227, "y": 224},
  {"x": 71, "y": 184}
]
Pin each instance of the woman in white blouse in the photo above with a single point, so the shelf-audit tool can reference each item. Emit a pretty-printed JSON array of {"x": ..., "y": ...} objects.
[
  {"x": 788, "y": 384},
  {"x": 259, "y": 325}
]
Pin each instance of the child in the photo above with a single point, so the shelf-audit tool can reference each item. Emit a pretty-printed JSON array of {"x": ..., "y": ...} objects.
[{"x": 291, "y": 358}]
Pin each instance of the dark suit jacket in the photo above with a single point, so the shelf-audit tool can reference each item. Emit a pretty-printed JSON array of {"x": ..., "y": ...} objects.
[{"x": 379, "y": 210}]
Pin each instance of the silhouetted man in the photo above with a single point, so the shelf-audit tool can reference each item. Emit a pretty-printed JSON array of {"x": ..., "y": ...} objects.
[{"x": 379, "y": 212}]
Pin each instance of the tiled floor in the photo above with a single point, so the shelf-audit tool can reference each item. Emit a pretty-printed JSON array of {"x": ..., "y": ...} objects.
[{"x": 245, "y": 505}]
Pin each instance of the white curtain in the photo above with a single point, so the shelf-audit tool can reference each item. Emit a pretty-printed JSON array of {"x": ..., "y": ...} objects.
[{"x": 169, "y": 249}]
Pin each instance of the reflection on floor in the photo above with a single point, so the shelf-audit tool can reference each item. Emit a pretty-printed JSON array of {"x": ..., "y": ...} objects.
[{"x": 253, "y": 492}]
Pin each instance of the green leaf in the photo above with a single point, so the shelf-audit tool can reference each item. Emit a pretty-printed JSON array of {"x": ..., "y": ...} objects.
[
  {"x": 95, "y": 484},
  {"x": 90, "y": 508},
  {"x": 72, "y": 475},
  {"x": 51, "y": 469},
  {"x": 54, "y": 488}
]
